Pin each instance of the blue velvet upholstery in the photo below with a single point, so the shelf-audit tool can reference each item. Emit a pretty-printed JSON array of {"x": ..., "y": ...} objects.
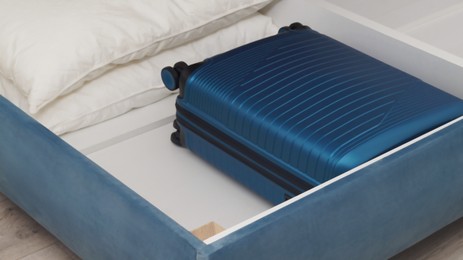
[
  {"x": 371, "y": 214},
  {"x": 90, "y": 211}
]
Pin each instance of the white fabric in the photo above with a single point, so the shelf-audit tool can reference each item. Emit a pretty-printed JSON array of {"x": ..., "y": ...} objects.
[
  {"x": 49, "y": 48},
  {"x": 137, "y": 83}
]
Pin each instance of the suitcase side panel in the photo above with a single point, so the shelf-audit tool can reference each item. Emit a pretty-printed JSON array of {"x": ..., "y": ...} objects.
[
  {"x": 269, "y": 173},
  {"x": 234, "y": 168}
]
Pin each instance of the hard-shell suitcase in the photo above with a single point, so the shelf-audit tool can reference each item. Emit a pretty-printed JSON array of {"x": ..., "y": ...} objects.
[{"x": 286, "y": 113}]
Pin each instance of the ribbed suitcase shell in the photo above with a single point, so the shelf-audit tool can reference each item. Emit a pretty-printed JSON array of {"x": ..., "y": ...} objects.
[{"x": 312, "y": 106}]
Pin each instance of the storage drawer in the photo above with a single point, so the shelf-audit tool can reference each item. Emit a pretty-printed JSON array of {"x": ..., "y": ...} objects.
[
  {"x": 373, "y": 211},
  {"x": 400, "y": 197}
]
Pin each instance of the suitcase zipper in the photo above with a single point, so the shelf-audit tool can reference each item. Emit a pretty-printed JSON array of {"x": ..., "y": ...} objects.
[{"x": 252, "y": 159}]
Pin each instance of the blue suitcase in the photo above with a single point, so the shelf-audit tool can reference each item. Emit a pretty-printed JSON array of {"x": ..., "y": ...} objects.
[{"x": 288, "y": 112}]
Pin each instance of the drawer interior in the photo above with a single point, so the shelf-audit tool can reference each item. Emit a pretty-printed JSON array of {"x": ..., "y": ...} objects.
[
  {"x": 179, "y": 183},
  {"x": 433, "y": 22}
]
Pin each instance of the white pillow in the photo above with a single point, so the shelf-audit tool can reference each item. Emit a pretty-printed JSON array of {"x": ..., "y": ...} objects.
[
  {"x": 137, "y": 83},
  {"x": 49, "y": 48}
]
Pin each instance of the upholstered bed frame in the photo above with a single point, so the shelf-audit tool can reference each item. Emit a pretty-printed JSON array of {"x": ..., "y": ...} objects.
[
  {"x": 374, "y": 211},
  {"x": 371, "y": 212}
]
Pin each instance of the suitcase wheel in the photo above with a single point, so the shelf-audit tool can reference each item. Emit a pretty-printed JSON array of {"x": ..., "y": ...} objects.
[
  {"x": 298, "y": 26},
  {"x": 175, "y": 125},
  {"x": 293, "y": 27},
  {"x": 176, "y": 137},
  {"x": 170, "y": 78},
  {"x": 180, "y": 66}
]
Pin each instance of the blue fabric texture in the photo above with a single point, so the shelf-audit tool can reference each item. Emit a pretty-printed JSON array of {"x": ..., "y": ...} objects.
[
  {"x": 86, "y": 208},
  {"x": 371, "y": 214}
]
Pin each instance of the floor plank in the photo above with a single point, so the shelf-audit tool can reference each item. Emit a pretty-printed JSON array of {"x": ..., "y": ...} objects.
[
  {"x": 55, "y": 251},
  {"x": 22, "y": 237},
  {"x": 446, "y": 243}
]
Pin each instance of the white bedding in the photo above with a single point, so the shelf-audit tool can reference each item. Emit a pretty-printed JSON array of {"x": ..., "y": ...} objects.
[
  {"x": 49, "y": 48},
  {"x": 134, "y": 84}
]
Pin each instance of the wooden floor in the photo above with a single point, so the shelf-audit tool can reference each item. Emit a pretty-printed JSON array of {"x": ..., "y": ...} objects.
[
  {"x": 446, "y": 243},
  {"x": 23, "y": 238}
]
